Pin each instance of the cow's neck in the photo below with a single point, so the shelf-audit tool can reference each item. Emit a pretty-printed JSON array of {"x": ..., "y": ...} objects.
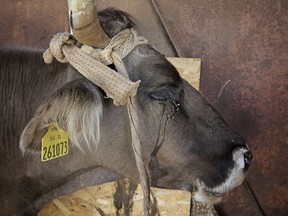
[
  {"x": 117, "y": 153},
  {"x": 115, "y": 148}
]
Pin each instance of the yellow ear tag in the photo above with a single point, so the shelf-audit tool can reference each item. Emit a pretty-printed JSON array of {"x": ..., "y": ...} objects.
[{"x": 54, "y": 143}]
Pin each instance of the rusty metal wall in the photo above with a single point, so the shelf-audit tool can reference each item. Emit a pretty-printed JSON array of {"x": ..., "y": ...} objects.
[
  {"x": 31, "y": 23},
  {"x": 244, "y": 50},
  {"x": 244, "y": 43}
]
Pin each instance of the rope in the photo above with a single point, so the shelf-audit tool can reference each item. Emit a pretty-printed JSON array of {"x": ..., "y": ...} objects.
[
  {"x": 63, "y": 48},
  {"x": 203, "y": 209},
  {"x": 92, "y": 63}
]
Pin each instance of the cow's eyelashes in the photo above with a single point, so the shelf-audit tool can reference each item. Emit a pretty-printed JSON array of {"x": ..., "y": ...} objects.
[{"x": 163, "y": 95}]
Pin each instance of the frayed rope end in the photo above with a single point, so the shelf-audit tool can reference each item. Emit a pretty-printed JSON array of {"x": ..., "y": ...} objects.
[{"x": 48, "y": 57}]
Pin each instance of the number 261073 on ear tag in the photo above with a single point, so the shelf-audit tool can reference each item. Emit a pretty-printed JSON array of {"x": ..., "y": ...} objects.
[{"x": 54, "y": 143}]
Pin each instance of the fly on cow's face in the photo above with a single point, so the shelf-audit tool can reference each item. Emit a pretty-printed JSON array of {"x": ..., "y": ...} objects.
[{"x": 174, "y": 108}]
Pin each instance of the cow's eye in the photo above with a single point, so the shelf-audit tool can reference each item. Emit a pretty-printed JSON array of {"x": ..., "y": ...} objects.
[{"x": 165, "y": 94}]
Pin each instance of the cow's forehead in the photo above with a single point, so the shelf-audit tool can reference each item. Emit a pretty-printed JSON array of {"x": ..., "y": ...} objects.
[{"x": 148, "y": 65}]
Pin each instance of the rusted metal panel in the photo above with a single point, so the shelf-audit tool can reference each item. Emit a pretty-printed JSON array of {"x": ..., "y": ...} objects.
[
  {"x": 31, "y": 23},
  {"x": 245, "y": 45},
  {"x": 239, "y": 202},
  {"x": 243, "y": 42}
]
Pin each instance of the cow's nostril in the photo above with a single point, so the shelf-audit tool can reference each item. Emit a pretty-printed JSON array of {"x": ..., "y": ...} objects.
[
  {"x": 238, "y": 140},
  {"x": 248, "y": 159}
]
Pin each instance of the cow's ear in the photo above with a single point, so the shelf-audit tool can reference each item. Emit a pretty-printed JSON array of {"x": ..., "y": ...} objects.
[{"x": 76, "y": 108}]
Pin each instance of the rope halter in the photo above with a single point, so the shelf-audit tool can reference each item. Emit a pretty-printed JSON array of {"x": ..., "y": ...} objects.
[{"x": 91, "y": 62}]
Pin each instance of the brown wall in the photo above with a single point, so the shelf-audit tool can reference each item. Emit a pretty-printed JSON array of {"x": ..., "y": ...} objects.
[
  {"x": 245, "y": 42},
  {"x": 31, "y": 23},
  {"x": 241, "y": 41}
]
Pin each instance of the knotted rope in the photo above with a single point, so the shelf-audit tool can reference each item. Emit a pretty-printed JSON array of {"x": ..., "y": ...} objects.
[
  {"x": 92, "y": 63},
  {"x": 63, "y": 48}
]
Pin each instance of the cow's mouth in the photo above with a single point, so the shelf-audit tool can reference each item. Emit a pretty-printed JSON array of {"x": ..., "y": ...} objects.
[
  {"x": 242, "y": 158},
  {"x": 204, "y": 195}
]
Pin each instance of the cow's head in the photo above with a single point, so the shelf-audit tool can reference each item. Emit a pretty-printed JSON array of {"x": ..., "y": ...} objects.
[
  {"x": 185, "y": 140},
  {"x": 197, "y": 149}
]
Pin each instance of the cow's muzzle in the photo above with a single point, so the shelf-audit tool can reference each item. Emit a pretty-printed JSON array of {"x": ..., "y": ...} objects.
[
  {"x": 242, "y": 158},
  {"x": 248, "y": 157}
]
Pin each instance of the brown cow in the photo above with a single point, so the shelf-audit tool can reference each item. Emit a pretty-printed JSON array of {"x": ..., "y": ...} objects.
[{"x": 197, "y": 151}]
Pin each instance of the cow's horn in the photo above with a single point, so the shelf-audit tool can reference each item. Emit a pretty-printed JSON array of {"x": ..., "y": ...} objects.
[{"x": 85, "y": 24}]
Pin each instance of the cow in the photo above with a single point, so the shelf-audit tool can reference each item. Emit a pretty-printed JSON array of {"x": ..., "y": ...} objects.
[{"x": 198, "y": 152}]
